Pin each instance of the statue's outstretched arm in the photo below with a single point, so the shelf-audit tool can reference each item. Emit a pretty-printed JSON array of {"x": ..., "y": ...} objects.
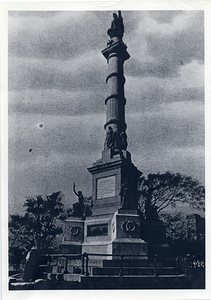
[{"x": 74, "y": 189}]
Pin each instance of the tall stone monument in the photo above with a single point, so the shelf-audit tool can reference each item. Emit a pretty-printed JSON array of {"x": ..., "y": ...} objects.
[
  {"x": 114, "y": 226},
  {"x": 114, "y": 177}
]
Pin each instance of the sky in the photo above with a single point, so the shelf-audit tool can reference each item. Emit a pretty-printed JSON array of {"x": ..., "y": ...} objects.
[{"x": 57, "y": 90}]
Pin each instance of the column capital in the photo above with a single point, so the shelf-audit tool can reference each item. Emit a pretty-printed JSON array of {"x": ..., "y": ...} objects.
[{"x": 116, "y": 48}]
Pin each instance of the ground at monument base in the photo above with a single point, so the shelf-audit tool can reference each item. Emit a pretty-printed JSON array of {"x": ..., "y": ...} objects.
[{"x": 116, "y": 283}]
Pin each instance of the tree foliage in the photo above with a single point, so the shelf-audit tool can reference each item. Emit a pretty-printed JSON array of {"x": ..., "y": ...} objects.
[
  {"x": 162, "y": 190},
  {"x": 182, "y": 234},
  {"x": 38, "y": 226}
]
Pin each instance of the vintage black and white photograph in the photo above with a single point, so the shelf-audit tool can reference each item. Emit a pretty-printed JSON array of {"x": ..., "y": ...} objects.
[{"x": 106, "y": 150}]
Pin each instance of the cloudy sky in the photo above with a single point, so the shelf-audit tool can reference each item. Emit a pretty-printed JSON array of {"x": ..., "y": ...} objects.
[{"x": 57, "y": 90}]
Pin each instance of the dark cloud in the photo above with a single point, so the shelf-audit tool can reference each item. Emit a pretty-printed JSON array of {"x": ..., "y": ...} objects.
[
  {"x": 186, "y": 161},
  {"x": 45, "y": 74},
  {"x": 63, "y": 35},
  {"x": 147, "y": 94},
  {"x": 159, "y": 51},
  {"x": 60, "y": 154},
  {"x": 38, "y": 14},
  {"x": 183, "y": 46},
  {"x": 163, "y": 69},
  {"x": 187, "y": 94},
  {"x": 182, "y": 126},
  {"x": 63, "y": 104},
  {"x": 164, "y": 16}
]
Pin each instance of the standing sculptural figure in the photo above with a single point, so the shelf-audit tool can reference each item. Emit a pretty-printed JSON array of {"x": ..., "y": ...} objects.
[
  {"x": 78, "y": 207},
  {"x": 123, "y": 140},
  {"x": 126, "y": 190},
  {"x": 111, "y": 141},
  {"x": 79, "y": 195},
  {"x": 116, "y": 24},
  {"x": 109, "y": 138}
]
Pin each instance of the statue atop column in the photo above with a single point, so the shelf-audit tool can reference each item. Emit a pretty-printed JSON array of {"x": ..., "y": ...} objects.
[{"x": 117, "y": 26}]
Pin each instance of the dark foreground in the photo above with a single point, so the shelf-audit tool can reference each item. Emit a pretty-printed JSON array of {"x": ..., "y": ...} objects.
[{"x": 114, "y": 282}]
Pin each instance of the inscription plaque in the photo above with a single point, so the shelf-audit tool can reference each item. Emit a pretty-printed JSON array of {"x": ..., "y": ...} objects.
[
  {"x": 97, "y": 230},
  {"x": 106, "y": 187}
]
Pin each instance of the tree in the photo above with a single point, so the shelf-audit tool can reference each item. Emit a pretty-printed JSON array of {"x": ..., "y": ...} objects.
[
  {"x": 182, "y": 234},
  {"x": 162, "y": 190},
  {"x": 38, "y": 226}
]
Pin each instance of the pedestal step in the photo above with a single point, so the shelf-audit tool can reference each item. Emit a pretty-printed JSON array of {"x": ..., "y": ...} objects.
[
  {"x": 136, "y": 282},
  {"x": 138, "y": 263},
  {"x": 135, "y": 271}
]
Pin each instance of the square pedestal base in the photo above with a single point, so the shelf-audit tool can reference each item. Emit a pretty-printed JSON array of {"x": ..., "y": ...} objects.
[
  {"x": 114, "y": 235},
  {"x": 128, "y": 247}
]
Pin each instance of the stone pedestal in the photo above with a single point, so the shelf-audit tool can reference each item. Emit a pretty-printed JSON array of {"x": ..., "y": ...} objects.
[
  {"x": 111, "y": 229},
  {"x": 73, "y": 236},
  {"x": 108, "y": 175},
  {"x": 119, "y": 234}
]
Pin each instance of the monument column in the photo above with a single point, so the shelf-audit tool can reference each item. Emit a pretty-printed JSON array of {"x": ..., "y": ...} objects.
[
  {"x": 116, "y": 54},
  {"x": 114, "y": 177}
]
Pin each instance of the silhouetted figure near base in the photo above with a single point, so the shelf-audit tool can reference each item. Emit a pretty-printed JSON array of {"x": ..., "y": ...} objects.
[
  {"x": 150, "y": 211},
  {"x": 31, "y": 271}
]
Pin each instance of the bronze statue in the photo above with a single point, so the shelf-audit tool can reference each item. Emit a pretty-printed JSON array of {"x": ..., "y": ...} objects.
[
  {"x": 111, "y": 141},
  {"x": 126, "y": 192},
  {"x": 109, "y": 138},
  {"x": 78, "y": 207},
  {"x": 79, "y": 194},
  {"x": 123, "y": 140},
  {"x": 117, "y": 26}
]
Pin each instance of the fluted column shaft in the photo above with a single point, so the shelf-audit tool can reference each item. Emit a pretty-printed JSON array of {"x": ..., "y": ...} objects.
[{"x": 115, "y": 102}]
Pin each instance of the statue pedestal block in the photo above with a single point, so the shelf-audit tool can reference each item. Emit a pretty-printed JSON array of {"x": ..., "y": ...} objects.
[
  {"x": 130, "y": 247},
  {"x": 73, "y": 236},
  {"x": 108, "y": 176},
  {"x": 119, "y": 234}
]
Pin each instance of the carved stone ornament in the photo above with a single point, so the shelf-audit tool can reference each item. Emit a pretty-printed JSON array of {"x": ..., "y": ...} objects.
[
  {"x": 74, "y": 230},
  {"x": 128, "y": 225}
]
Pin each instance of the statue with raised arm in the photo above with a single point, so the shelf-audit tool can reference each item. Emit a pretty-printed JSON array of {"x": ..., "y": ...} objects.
[
  {"x": 78, "y": 207},
  {"x": 117, "y": 26},
  {"x": 79, "y": 195}
]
